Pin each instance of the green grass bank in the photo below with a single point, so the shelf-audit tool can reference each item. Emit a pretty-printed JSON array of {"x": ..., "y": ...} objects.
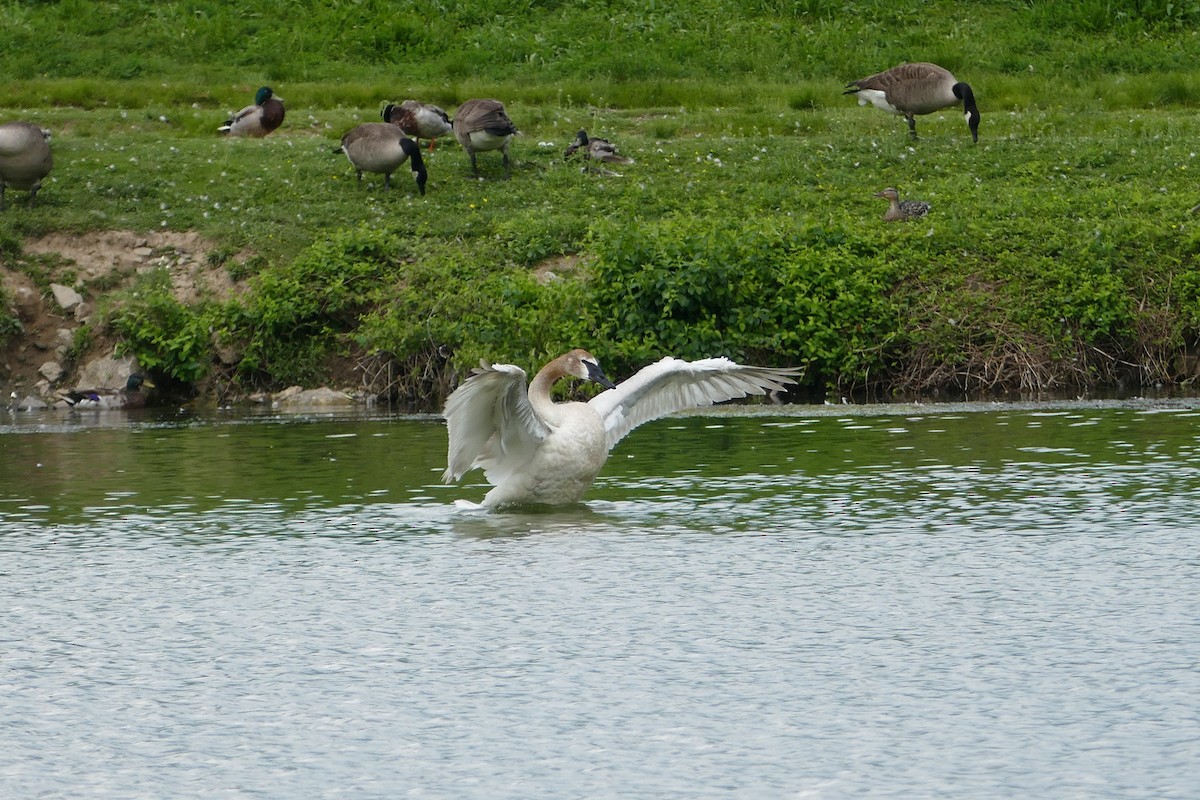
[{"x": 1059, "y": 255}]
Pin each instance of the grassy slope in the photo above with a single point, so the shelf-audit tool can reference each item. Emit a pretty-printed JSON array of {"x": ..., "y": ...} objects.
[{"x": 1058, "y": 248}]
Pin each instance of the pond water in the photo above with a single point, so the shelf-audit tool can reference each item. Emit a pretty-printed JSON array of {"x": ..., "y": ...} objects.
[{"x": 966, "y": 602}]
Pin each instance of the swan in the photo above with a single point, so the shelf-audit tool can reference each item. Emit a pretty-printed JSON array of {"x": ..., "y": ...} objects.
[{"x": 534, "y": 450}]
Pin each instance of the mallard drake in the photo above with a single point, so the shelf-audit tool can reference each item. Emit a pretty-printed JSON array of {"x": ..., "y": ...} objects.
[
  {"x": 419, "y": 120},
  {"x": 481, "y": 125},
  {"x": 902, "y": 210},
  {"x": 381, "y": 147},
  {"x": 259, "y": 119},
  {"x": 593, "y": 149},
  {"x": 911, "y": 89},
  {"x": 25, "y": 158},
  {"x": 534, "y": 450},
  {"x": 131, "y": 396}
]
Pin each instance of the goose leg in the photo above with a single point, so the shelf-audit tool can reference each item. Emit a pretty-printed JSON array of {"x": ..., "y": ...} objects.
[
  {"x": 912, "y": 126},
  {"x": 507, "y": 163},
  {"x": 387, "y": 181},
  {"x": 474, "y": 166},
  {"x": 3, "y": 188}
]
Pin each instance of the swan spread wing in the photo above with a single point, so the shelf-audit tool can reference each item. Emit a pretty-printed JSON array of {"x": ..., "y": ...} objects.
[
  {"x": 672, "y": 385},
  {"x": 490, "y": 422}
]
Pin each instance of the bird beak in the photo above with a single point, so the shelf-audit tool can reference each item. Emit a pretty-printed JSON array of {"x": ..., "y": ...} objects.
[
  {"x": 879, "y": 194},
  {"x": 596, "y": 374}
]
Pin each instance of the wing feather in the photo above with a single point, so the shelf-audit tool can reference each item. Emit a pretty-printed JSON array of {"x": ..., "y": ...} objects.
[
  {"x": 672, "y": 385},
  {"x": 489, "y": 416}
]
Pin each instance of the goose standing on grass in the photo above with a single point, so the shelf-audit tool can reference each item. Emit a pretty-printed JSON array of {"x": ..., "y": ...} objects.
[
  {"x": 481, "y": 125},
  {"x": 902, "y": 210},
  {"x": 534, "y": 450},
  {"x": 259, "y": 119},
  {"x": 381, "y": 147},
  {"x": 912, "y": 89},
  {"x": 419, "y": 120},
  {"x": 25, "y": 158},
  {"x": 593, "y": 149},
  {"x": 131, "y": 396}
]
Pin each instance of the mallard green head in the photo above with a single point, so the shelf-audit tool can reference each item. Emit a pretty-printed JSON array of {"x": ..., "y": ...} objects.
[
  {"x": 135, "y": 382},
  {"x": 264, "y": 94}
]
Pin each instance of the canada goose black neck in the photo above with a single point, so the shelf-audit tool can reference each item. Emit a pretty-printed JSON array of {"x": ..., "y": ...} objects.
[
  {"x": 415, "y": 161},
  {"x": 963, "y": 92}
]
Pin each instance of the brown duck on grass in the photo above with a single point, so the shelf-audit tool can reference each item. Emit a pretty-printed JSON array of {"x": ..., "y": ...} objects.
[
  {"x": 419, "y": 120},
  {"x": 902, "y": 210},
  {"x": 259, "y": 119},
  {"x": 911, "y": 89},
  {"x": 595, "y": 150}
]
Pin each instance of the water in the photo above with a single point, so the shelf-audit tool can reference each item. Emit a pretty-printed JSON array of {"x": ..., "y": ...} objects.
[{"x": 896, "y": 603}]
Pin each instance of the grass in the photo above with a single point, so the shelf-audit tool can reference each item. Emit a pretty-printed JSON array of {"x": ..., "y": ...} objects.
[{"x": 1058, "y": 254}]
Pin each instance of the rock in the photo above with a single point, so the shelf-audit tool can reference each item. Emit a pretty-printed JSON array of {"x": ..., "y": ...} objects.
[
  {"x": 143, "y": 252},
  {"x": 66, "y": 297},
  {"x": 51, "y": 371},
  {"x": 31, "y": 404},
  {"x": 65, "y": 337},
  {"x": 27, "y": 302},
  {"x": 324, "y": 396},
  {"x": 107, "y": 372}
]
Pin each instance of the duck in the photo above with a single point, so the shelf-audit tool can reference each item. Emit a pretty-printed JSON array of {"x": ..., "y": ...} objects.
[
  {"x": 259, "y": 119},
  {"x": 482, "y": 125},
  {"x": 594, "y": 149},
  {"x": 131, "y": 396},
  {"x": 25, "y": 158},
  {"x": 919, "y": 88},
  {"x": 536, "y": 451},
  {"x": 419, "y": 120},
  {"x": 381, "y": 147},
  {"x": 902, "y": 210}
]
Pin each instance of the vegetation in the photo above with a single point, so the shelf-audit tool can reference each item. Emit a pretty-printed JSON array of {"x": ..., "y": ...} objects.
[{"x": 1059, "y": 253}]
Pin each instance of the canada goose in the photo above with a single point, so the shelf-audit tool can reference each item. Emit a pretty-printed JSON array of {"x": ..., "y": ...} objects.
[
  {"x": 902, "y": 210},
  {"x": 131, "y": 396},
  {"x": 419, "y": 120},
  {"x": 533, "y": 450},
  {"x": 25, "y": 158},
  {"x": 259, "y": 119},
  {"x": 912, "y": 89},
  {"x": 481, "y": 125},
  {"x": 593, "y": 149},
  {"x": 381, "y": 147}
]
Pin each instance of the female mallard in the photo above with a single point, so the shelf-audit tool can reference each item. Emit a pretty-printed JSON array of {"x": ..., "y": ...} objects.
[
  {"x": 911, "y": 89},
  {"x": 902, "y": 210},
  {"x": 25, "y": 158},
  {"x": 259, "y": 119},
  {"x": 419, "y": 120},
  {"x": 131, "y": 396},
  {"x": 481, "y": 125},
  {"x": 593, "y": 149},
  {"x": 381, "y": 147}
]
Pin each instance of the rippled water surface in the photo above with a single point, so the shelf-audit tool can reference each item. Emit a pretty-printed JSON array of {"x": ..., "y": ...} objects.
[{"x": 953, "y": 602}]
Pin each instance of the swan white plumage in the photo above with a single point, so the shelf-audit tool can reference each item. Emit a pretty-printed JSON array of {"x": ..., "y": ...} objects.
[{"x": 534, "y": 450}]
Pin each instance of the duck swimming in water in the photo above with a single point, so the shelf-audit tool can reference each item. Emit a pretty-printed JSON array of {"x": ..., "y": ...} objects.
[
  {"x": 536, "y": 451},
  {"x": 131, "y": 396}
]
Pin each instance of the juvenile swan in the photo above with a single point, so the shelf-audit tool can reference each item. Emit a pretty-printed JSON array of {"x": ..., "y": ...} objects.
[{"x": 534, "y": 450}]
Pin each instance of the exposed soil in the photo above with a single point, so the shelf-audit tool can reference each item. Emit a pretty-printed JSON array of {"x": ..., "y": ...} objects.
[{"x": 37, "y": 362}]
